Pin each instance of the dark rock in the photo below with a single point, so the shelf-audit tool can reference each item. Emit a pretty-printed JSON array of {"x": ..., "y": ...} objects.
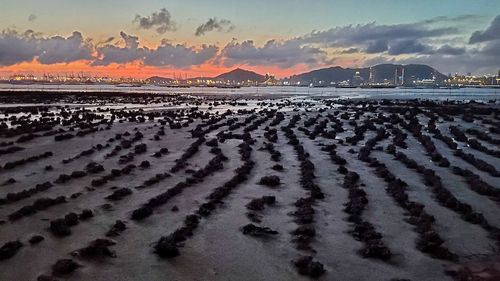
[
  {"x": 9, "y": 181},
  {"x": 98, "y": 248},
  {"x": 117, "y": 228},
  {"x": 253, "y": 230},
  {"x": 306, "y": 266},
  {"x": 9, "y": 249},
  {"x": 141, "y": 213},
  {"x": 71, "y": 219},
  {"x": 270, "y": 181},
  {"x": 342, "y": 170},
  {"x": 376, "y": 249},
  {"x": 64, "y": 267},
  {"x": 212, "y": 142},
  {"x": 86, "y": 214},
  {"x": 36, "y": 239},
  {"x": 119, "y": 194},
  {"x": 258, "y": 204},
  {"x": 277, "y": 167},
  {"x": 166, "y": 247},
  {"x": 76, "y": 195},
  {"x": 59, "y": 228}
]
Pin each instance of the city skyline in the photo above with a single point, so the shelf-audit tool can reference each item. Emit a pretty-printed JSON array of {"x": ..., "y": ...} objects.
[{"x": 207, "y": 38}]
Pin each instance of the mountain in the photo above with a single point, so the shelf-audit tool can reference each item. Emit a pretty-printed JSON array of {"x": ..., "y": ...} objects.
[
  {"x": 380, "y": 72},
  {"x": 159, "y": 80},
  {"x": 241, "y": 75},
  {"x": 327, "y": 75},
  {"x": 330, "y": 74}
]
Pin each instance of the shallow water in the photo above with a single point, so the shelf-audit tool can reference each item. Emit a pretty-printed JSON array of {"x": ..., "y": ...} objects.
[{"x": 485, "y": 94}]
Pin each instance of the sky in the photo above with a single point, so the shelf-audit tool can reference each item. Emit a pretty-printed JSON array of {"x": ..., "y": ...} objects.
[{"x": 205, "y": 38}]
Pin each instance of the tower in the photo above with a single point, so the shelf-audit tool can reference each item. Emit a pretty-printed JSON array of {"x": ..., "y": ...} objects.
[
  {"x": 370, "y": 79},
  {"x": 403, "y": 76}
]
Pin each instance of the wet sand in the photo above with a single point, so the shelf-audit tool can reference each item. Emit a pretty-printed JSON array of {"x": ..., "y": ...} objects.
[{"x": 192, "y": 187}]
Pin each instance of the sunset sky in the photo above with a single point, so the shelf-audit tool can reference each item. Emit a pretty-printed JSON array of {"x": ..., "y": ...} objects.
[{"x": 206, "y": 38}]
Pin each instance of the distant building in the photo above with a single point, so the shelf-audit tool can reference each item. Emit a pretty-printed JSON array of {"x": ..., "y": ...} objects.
[
  {"x": 270, "y": 80},
  {"x": 466, "y": 80},
  {"x": 399, "y": 80},
  {"x": 425, "y": 82},
  {"x": 357, "y": 80}
]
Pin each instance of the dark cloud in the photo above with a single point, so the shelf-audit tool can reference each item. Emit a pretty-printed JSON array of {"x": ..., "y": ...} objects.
[
  {"x": 214, "y": 24},
  {"x": 16, "y": 48},
  {"x": 449, "y": 58},
  {"x": 363, "y": 35},
  {"x": 109, "y": 53},
  {"x": 450, "y": 50},
  {"x": 492, "y": 49},
  {"x": 416, "y": 39},
  {"x": 165, "y": 55},
  {"x": 32, "y": 17},
  {"x": 278, "y": 53},
  {"x": 377, "y": 46},
  {"x": 180, "y": 56},
  {"x": 476, "y": 62},
  {"x": 162, "y": 21},
  {"x": 58, "y": 49},
  {"x": 457, "y": 19},
  {"x": 409, "y": 46},
  {"x": 489, "y": 34}
]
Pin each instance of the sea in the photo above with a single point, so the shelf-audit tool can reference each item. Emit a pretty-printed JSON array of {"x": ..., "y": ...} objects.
[{"x": 462, "y": 94}]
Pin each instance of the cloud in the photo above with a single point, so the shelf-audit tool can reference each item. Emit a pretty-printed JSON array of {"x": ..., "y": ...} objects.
[
  {"x": 476, "y": 62},
  {"x": 437, "y": 42},
  {"x": 427, "y": 37},
  {"x": 180, "y": 56},
  {"x": 162, "y": 21},
  {"x": 278, "y": 53},
  {"x": 16, "y": 48},
  {"x": 58, "y": 49},
  {"x": 366, "y": 34},
  {"x": 32, "y": 17},
  {"x": 110, "y": 53},
  {"x": 165, "y": 55},
  {"x": 492, "y": 49},
  {"x": 350, "y": 51},
  {"x": 434, "y": 42},
  {"x": 214, "y": 24},
  {"x": 457, "y": 19},
  {"x": 492, "y": 32},
  {"x": 377, "y": 46},
  {"x": 104, "y": 42},
  {"x": 407, "y": 46},
  {"x": 450, "y": 50}
]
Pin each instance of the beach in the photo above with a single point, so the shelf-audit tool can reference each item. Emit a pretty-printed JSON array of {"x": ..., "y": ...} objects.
[{"x": 249, "y": 185}]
